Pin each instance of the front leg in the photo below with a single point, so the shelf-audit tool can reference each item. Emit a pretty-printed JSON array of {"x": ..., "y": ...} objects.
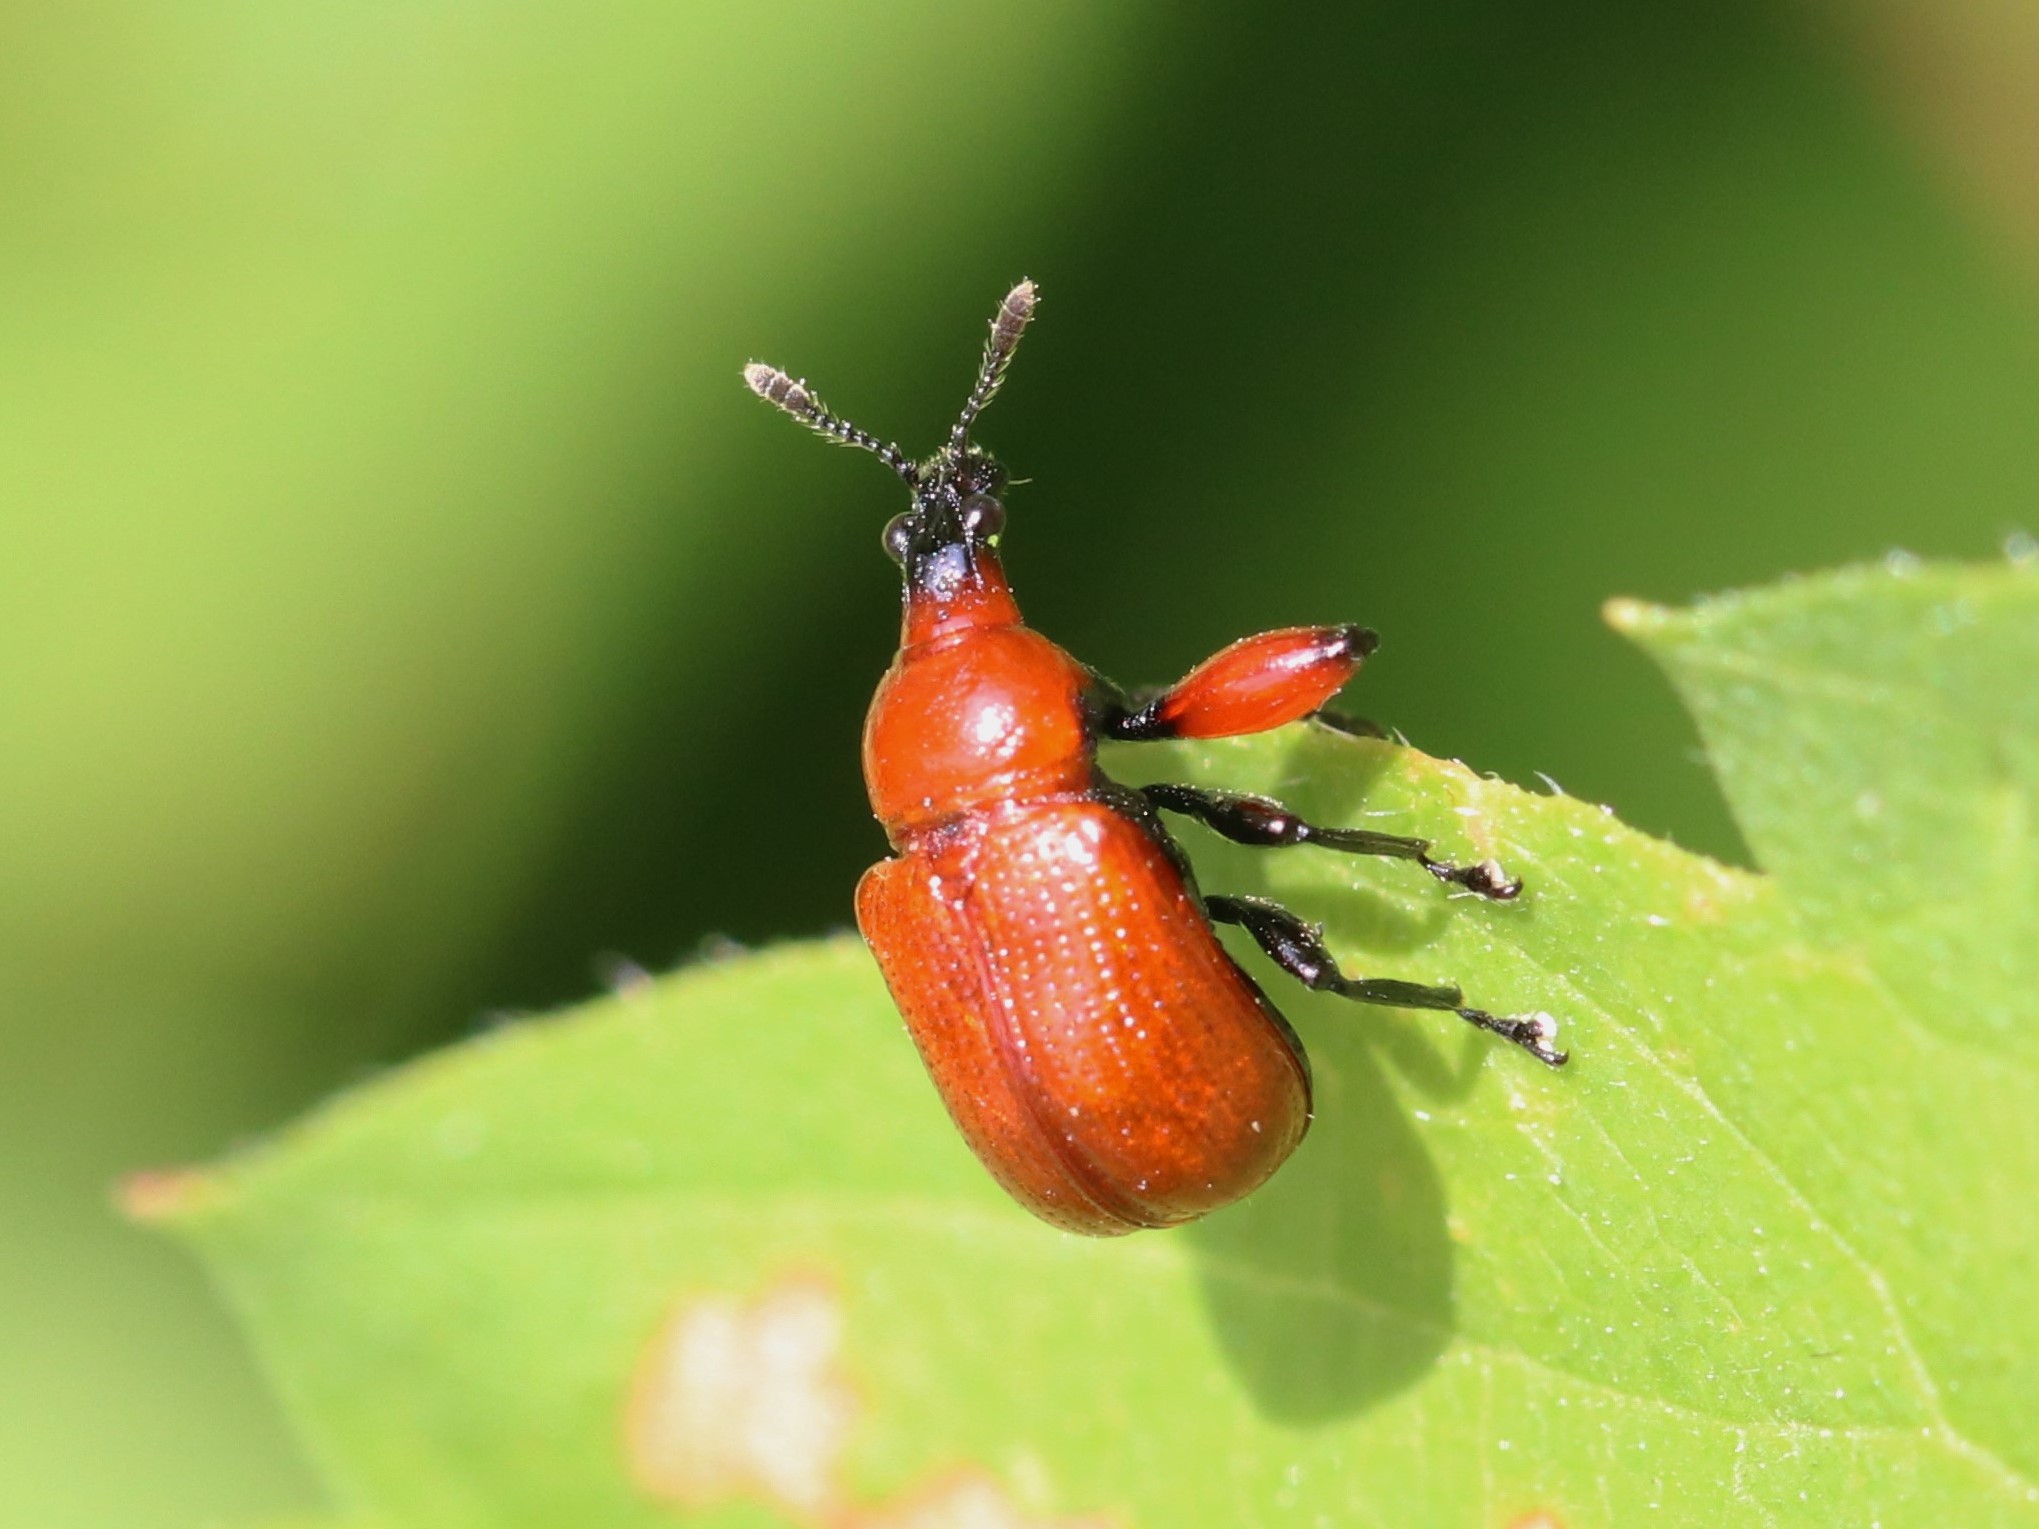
[
  {"x": 1264, "y": 823},
  {"x": 1256, "y": 684}
]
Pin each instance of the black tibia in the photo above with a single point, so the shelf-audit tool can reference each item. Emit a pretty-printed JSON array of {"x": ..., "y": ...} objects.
[
  {"x": 1138, "y": 723},
  {"x": 1260, "y": 821},
  {"x": 1298, "y": 949},
  {"x": 1109, "y": 705}
]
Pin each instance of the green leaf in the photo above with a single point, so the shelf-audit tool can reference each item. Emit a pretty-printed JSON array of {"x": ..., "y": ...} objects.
[{"x": 1761, "y": 1255}]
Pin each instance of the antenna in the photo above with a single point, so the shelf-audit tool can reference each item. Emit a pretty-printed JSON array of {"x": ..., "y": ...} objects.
[
  {"x": 775, "y": 387},
  {"x": 1007, "y": 325}
]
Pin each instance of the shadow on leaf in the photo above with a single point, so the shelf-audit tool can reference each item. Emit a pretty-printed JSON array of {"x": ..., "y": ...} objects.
[{"x": 1331, "y": 1289}]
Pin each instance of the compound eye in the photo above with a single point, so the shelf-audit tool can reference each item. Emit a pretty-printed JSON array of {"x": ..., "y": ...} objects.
[
  {"x": 898, "y": 537},
  {"x": 983, "y": 518}
]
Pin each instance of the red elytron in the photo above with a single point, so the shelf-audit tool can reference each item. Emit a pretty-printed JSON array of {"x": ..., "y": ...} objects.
[{"x": 1039, "y": 929}]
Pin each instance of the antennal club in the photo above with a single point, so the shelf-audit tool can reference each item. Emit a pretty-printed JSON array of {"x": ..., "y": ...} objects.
[
  {"x": 1007, "y": 325},
  {"x": 775, "y": 387}
]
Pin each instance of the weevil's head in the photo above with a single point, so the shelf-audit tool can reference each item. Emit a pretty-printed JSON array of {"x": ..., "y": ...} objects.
[
  {"x": 946, "y": 543},
  {"x": 953, "y": 527}
]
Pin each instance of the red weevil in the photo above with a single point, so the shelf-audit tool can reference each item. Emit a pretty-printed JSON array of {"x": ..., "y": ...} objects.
[{"x": 1039, "y": 928}]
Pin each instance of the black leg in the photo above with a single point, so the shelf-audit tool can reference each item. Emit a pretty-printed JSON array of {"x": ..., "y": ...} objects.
[
  {"x": 1112, "y": 707},
  {"x": 1298, "y": 949},
  {"x": 1264, "y": 823}
]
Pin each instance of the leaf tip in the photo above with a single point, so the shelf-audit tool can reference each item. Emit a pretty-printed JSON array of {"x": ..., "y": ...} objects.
[
  {"x": 164, "y": 1196},
  {"x": 1634, "y": 618}
]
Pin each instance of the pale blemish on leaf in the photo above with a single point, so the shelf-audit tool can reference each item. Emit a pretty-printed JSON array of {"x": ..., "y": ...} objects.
[
  {"x": 747, "y": 1399},
  {"x": 739, "y": 1398}
]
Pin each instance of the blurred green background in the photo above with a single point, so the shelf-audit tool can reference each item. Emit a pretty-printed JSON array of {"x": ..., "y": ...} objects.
[{"x": 405, "y": 612}]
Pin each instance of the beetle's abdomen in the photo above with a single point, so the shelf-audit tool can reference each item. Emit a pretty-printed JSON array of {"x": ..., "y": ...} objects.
[{"x": 1096, "y": 1045}]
